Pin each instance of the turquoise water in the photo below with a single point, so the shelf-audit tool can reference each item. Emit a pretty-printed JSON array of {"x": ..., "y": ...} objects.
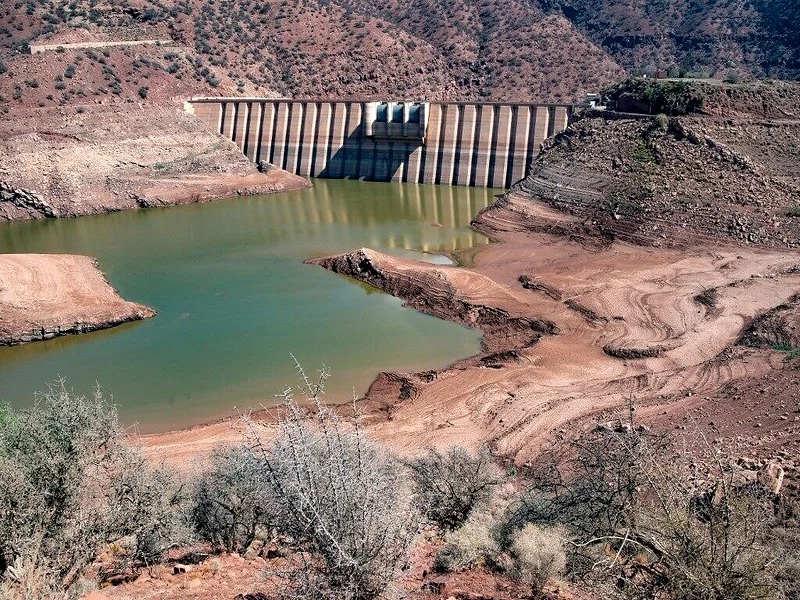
[{"x": 234, "y": 298}]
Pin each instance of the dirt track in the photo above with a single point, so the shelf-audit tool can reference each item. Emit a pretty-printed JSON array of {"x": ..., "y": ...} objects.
[{"x": 46, "y": 295}]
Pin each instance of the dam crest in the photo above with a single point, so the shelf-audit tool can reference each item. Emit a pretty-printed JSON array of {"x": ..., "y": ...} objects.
[{"x": 445, "y": 143}]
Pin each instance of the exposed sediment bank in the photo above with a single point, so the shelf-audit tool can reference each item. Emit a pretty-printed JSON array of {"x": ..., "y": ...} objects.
[
  {"x": 622, "y": 319},
  {"x": 43, "y": 296},
  {"x": 109, "y": 158}
]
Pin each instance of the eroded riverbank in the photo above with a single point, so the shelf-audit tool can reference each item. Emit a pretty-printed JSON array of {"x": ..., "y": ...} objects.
[
  {"x": 44, "y": 296},
  {"x": 621, "y": 321}
]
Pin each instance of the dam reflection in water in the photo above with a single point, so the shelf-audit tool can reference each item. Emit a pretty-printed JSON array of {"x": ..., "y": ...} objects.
[
  {"x": 337, "y": 203},
  {"x": 234, "y": 298}
]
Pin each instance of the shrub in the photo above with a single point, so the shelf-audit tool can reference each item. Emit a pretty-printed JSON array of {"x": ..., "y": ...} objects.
[
  {"x": 233, "y": 500},
  {"x": 3, "y": 67},
  {"x": 472, "y": 544},
  {"x": 340, "y": 497},
  {"x": 538, "y": 556},
  {"x": 143, "y": 92},
  {"x": 69, "y": 484},
  {"x": 449, "y": 485},
  {"x": 732, "y": 77},
  {"x": 635, "y": 516}
]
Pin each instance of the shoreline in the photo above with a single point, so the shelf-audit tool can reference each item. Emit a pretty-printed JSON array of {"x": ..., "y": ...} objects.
[
  {"x": 573, "y": 325},
  {"x": 44, "y": 296}
]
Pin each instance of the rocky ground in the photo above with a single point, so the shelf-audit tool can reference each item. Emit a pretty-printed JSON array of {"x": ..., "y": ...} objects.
[
  {"x": 63, "y": 163},
  {"x": 728, "y": 172},
  {"x": 43, "y": 296}
]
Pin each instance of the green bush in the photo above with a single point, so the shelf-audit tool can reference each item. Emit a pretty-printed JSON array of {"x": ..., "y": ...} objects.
[{"x": 69, "y": 485}]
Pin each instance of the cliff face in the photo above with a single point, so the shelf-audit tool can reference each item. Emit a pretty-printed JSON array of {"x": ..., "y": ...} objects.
[{"x": 759, "y": 38}]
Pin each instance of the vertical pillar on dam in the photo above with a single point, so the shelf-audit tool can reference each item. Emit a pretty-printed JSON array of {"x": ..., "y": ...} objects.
[
  {"x": 430, "y": 155},
  {"x": 560, "y": 120},
  {"x": 254, "y": 124},
  {"x": 240, "y": 125},
  {"x": 412, "y": 171},
  {"x": 481, "y": 145},
  {"x": 267, "y": 129},
  {"x": 352, "y": 145},
  {"x": 502, "y": 139},
  {"x": 227, "y": 121},
  {"x": 309, "y": 134},
  {"x": 294, "y": 136},
  {"x": 400, "y": 151},
  {"x": 448, "y": 144},
  {"x": 541, "y": 125},
  {"x": 466, "y": 148},
  {"x": 518, "y": 159},
  {"x": 324, "y": 120},
  {"x": 335, "y": 166},
  {"x": 281, "y": 126},
  {"x": 483, "y": 150}
]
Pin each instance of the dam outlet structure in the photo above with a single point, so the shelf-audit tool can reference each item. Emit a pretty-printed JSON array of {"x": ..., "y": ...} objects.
[{"x": 445, "y": 143}]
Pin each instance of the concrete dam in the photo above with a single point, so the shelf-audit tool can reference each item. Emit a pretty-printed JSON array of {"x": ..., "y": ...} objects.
[{"x": 447, "y": 143}]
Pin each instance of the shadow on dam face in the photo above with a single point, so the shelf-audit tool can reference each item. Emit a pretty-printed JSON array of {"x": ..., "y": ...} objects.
[{"x": 456, "y": 143}]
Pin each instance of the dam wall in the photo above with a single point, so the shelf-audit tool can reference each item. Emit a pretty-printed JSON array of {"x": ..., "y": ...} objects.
[{"x": 448, "y": 143}]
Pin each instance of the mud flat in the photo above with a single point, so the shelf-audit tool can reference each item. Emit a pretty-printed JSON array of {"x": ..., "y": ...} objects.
[
  {"x": 604, "y": 321},
  {"x": 574, "y": 326},
  {"x": 43, "y": 296}
]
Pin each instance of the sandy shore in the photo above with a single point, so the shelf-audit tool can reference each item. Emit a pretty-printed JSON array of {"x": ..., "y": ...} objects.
[
  {"x": 573, "y": 327},
  {"x": 43, "y": 296}
]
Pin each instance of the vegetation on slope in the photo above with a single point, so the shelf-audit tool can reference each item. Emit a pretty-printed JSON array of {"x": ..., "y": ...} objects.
[
  {"x": 757, "y": 39},
  {"x": 471, "y": 49},
  {"x": 618, "y": 509}
]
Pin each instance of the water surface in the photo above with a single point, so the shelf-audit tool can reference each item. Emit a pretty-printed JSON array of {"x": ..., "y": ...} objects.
[{"x": 234, "y": 298}]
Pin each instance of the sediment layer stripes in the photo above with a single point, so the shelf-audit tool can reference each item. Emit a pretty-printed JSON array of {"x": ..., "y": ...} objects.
[{"x": 466, "y": 144}]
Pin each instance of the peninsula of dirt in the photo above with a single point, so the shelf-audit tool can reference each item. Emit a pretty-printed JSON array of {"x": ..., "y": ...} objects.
[
  {"x": 43, "y": 296},
  {"x": 103, "y": 158}
]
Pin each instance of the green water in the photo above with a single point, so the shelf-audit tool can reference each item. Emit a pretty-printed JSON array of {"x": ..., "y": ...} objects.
[{"x": 234, "y": 298}]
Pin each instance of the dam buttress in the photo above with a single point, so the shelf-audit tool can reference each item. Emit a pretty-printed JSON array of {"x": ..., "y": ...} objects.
[{"x": 446, "y": 143}]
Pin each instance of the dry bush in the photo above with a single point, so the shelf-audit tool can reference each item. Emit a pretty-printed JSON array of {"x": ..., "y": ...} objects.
[
  {"x": 538, "y": 556},
  {"x": 233, "y": 500},
  {"x": 449, "y": 485},
  {"x": 70, "y": 484},
  {"x": 472, "y": 544},
  {"x": 638, "y": 517},
  {"x": 340, "y": 497}
]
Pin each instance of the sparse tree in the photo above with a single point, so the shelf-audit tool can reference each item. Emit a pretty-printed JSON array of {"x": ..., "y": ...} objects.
[{"x": 340, "y": 496}]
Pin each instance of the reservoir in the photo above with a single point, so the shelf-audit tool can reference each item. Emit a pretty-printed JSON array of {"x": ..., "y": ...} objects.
[{"x": 234, "y": 298}]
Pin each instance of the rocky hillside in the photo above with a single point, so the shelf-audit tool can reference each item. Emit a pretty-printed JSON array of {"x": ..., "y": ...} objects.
[
  {"x": 758, "y": 38},
  {"x": 726, "y": 171},
  {"x": 467, "y": 49}
]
